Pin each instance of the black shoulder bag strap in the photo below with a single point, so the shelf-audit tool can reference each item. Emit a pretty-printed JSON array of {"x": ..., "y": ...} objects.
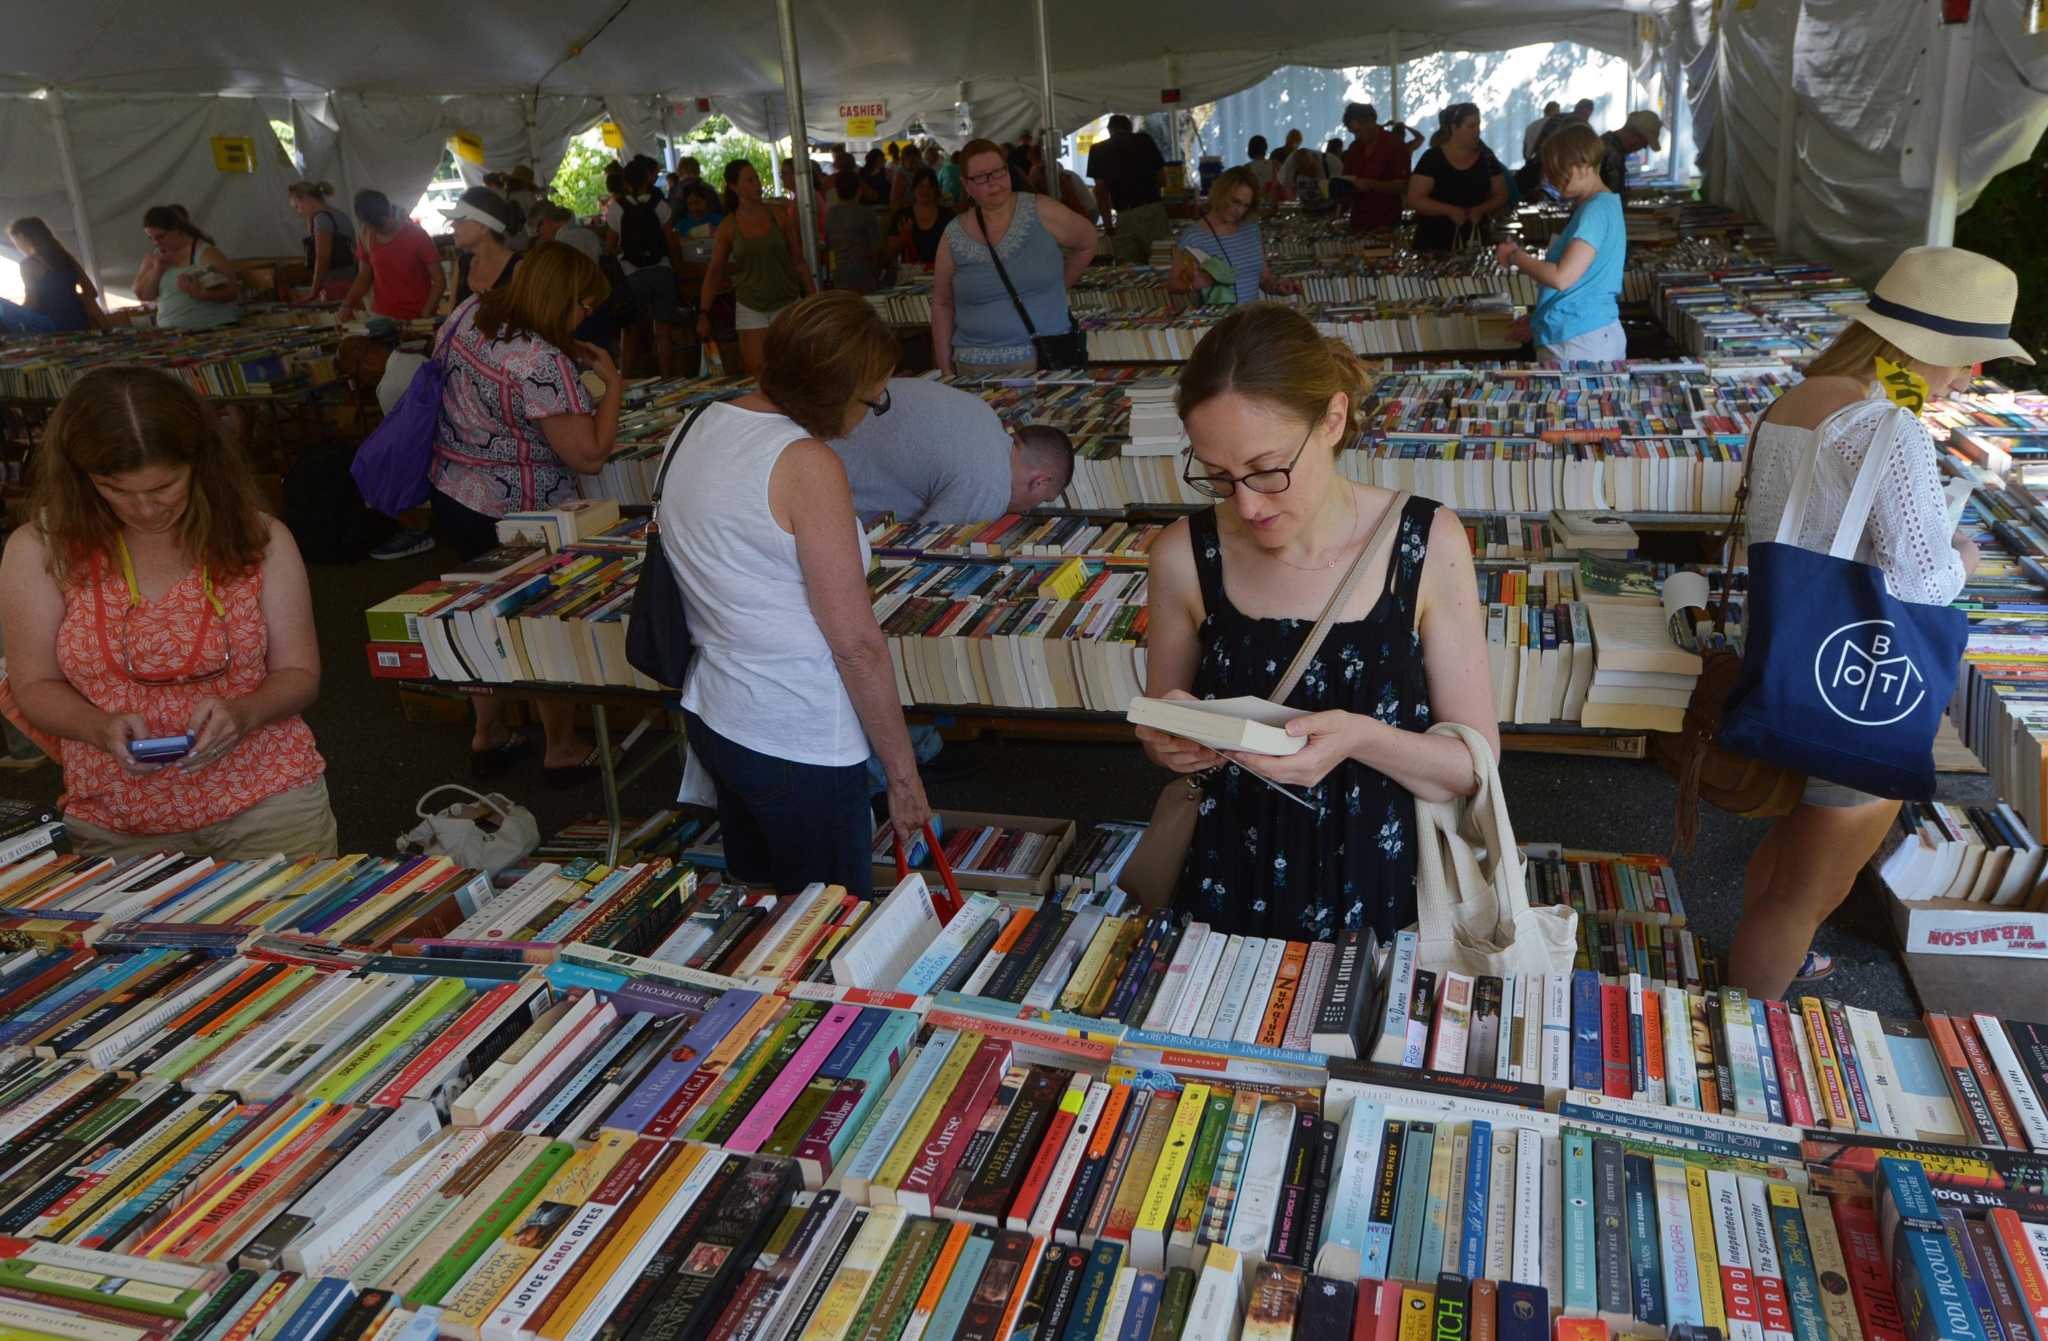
[
  {"x": 1009, "y": 288},
  {"x": 669, "y": 458}
]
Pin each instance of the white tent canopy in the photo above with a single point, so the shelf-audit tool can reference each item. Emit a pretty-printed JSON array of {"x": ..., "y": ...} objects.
[
  {"x": 374, "y": 90},
  {"x": 107, "y": 107}
]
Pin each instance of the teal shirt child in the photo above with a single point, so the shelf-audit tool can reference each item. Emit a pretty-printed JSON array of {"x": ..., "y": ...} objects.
[{"x": 1595, "y": 301}]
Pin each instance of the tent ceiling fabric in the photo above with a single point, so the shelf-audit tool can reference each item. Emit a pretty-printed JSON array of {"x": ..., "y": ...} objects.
[{"x": 707, "y": 50}]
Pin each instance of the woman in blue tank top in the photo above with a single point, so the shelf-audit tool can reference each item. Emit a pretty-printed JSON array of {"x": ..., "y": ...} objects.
[{"x": 1042, "y": 247}]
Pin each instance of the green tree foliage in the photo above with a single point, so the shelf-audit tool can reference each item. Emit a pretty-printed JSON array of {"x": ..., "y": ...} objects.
[
  {"x": 715, "y": 143},
  {"x": 2008, "y": 222},
  {"x": 578, "y": 183}
]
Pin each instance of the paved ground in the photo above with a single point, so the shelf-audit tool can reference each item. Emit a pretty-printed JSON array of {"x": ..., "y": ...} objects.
[{"x": 378, "y": 765}]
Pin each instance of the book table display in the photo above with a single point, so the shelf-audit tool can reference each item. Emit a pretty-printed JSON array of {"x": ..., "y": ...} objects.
[{"x": 384, "y": 1098}]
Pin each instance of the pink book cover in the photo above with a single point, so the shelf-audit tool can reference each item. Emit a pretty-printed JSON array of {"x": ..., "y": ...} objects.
[{"x": 759, "y": 1125}]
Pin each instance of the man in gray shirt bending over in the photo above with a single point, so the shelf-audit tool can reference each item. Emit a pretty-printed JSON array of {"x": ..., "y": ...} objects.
[{"x": 939, "y": 454}]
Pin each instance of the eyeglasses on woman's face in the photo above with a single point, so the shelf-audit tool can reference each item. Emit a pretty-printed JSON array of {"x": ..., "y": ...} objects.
[
  {"x": 880, "y": 404},
  {"x": 990, "y": 178},
  {"x": 1220, "y": 484}
]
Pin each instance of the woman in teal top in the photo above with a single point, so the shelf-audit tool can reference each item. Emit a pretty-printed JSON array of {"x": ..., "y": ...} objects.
[
  {"x": 185, "y": 274},
  {"x": 1042, "y": 246},
  {"x": 1578, "y": 318}
]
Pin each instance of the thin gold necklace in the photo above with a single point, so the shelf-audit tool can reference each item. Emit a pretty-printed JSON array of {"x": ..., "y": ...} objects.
[{"x": 1326, "y": 567}]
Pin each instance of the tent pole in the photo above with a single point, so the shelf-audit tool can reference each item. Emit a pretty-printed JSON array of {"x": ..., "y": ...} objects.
[
  {"x": 799, "y": 139},
  {"x": 1394, "y": 75},
  {"x": 668, "y": 141},
  {"x": 1047, "y": 133},
  {"x": 69, "y": 167},
  {"x": 1952, "y": 43},
  {"x": 1674, "y": 107},
  {"x": 1788, "y": 152}
]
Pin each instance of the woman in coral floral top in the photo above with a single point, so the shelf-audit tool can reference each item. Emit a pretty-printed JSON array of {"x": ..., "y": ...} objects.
[{"x": 155, "y": 598}]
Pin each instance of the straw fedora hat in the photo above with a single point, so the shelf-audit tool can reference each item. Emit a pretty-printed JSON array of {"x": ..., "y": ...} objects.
[{"x": 1946, "y": 307}]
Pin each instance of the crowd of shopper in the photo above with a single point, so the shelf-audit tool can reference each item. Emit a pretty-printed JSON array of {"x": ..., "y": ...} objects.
[{"x": 153, "y": 597}]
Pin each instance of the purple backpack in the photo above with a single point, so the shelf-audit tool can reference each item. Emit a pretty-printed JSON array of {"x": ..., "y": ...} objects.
[{"x": 391, "y": 465}]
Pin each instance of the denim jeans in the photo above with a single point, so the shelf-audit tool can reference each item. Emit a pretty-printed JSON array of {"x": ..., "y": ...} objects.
[{"x": 784, "y": 823}]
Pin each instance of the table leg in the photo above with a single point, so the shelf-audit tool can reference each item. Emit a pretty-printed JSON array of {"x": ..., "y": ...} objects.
[{"x": 608, "y": 775}]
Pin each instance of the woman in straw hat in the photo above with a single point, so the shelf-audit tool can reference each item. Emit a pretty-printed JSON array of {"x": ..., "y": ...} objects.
[{"x": 1938, "y": 313}]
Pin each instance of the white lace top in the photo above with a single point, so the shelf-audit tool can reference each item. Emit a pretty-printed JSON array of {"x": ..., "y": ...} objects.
[{"x": 1908, "y": 532}]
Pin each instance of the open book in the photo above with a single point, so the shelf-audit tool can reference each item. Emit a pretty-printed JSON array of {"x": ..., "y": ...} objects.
[{"x": 1252, "y": 725}]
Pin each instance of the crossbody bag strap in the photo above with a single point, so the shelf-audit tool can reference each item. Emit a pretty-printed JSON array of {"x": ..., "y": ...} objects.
[
  {"x": 1004, "y": 275},
  {"x": 1387, "y": 526},
  {"x": 669, "y": 457}
]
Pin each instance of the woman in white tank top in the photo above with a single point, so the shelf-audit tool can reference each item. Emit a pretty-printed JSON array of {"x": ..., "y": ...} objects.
[
  {"x": 1938, "y": 311},
  {"x": 791, "y": 681}
]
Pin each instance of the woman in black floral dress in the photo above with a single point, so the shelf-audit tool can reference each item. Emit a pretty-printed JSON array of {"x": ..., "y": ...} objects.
[{"x": 1269, "y": 404}]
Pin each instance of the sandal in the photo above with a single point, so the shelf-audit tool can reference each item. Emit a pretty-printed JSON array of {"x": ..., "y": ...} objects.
[
  {"x": 562, "y": 777},
  {"x": 489, "y": 763},
  {"x": 1814, "y": 967}
]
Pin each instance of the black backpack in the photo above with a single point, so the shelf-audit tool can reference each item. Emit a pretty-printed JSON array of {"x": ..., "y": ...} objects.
[{"x": 640, "y": 239}]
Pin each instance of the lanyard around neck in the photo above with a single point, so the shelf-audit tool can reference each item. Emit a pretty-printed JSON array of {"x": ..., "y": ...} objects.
[{"x": 135, "y": 591}]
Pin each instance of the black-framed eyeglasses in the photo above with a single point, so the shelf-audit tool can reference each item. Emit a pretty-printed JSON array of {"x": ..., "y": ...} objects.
[
  {"x": 879, "y": 405},
  {"x": 984, "y": 178},
  {"x": 1219, "y": 485}
]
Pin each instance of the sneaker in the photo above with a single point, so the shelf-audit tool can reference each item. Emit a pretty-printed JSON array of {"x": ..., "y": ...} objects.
[
  {"x": 403, "y": 544},
  {"x": 1815, "y": 966}
]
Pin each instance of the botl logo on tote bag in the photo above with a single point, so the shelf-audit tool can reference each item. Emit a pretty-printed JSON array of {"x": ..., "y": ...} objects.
[{"x": 1862, "y": 679}]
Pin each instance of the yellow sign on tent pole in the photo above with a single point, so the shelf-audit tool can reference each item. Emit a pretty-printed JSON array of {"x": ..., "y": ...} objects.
[
  {"x": 614, "y": 137},
  {"x": 860, "y": 128},
  {"x": 234, "y": 153},
  {"x": 469, "y": 148}
]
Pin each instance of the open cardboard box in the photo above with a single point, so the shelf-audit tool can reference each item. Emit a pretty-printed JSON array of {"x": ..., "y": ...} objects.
[{"x": 952, "y": 821}]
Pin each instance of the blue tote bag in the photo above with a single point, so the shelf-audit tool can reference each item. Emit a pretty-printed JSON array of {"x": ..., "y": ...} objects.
[
  {"x": 1840, "y": 679},
  {"x": 390, "y": 467}
]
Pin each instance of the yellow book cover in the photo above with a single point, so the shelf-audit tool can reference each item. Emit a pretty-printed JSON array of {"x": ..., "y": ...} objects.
[
  {"x": 1120, "y": 952},
  {"x": 910, "y": 1144},
  {"x": 374, "y": 908},
  {"x": 1090, "y": 967},
  {"x": 1162, "y": 1196},
  {"x": 260, "y": 892},
  {"x": 1831, "y": 1105},
  {"x": 1709, "y": 1262},
  {"x": 1136, "y": 1184},
  {"x": 193, "y": 1212},
  {"x": 1064, "y": 583},
  {"x": 164, "y": 1150},
  {"x": 821, "y": 911},
  {"x": 646, "y": 1207},
  {"x": 1418, "y": 1309},
  {"x": 465, "y": 1308},
  {"x": 856, "y": 1272}
]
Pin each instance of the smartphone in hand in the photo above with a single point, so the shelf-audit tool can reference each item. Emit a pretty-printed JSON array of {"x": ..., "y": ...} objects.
[{"x": 160, "y": 749}]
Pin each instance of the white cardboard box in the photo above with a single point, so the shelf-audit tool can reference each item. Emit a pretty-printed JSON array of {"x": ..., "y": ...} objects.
[{"x": 1959, "y": 927}]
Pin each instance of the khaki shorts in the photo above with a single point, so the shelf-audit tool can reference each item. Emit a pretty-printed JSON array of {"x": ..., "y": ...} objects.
[
  {"x": 1136, "y": 231},
  {"x": 297, "y": 823}
]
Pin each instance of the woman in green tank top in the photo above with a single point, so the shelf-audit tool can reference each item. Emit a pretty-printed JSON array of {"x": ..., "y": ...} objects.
[{"x": 759, "y": 249}]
